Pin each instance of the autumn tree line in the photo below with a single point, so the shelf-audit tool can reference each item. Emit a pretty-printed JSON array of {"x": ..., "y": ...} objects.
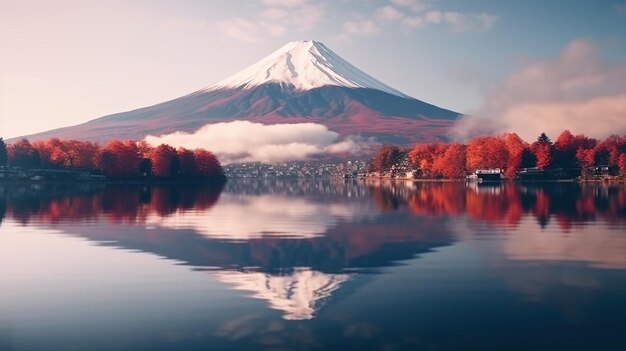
[
  {"x": 117, "y": 159},
  {"x": 507, "y": 152}
]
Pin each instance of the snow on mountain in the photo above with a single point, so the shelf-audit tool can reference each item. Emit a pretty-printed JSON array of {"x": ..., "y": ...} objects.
[
  {"x": 302, "y": 82},
  {"x": 305, "y": 65}
]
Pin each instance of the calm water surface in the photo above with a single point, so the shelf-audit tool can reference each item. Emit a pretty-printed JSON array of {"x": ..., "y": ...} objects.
[{"x": 313, "y": 265}]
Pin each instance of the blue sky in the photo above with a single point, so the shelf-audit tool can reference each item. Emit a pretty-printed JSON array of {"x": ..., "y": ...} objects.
[{"x": 67, "y": 62}]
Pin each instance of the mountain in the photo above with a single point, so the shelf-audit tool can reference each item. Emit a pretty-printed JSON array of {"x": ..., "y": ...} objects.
[{"x": 304, "y": 81}]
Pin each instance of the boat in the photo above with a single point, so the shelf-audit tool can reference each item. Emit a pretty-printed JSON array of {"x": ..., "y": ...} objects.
[{"x": 485, "y": 175}]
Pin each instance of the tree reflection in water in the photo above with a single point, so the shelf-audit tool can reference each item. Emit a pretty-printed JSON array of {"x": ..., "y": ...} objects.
[{"x": 295, "y": 243}]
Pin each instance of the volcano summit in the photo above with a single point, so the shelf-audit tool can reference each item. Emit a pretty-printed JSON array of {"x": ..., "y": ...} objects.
[{"x": 303, "y": 81}]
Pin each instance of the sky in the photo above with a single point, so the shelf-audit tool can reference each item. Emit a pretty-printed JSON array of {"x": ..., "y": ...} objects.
[{"x": 66, "y": 62}]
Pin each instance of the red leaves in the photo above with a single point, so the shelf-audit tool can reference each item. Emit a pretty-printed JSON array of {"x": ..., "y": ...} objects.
[
  {"x": 208, "y": 165},
  {"x": 621, "y": 163},
  {"x": 543, "y": 154},
  {"x": 487, "y": 153},
  {"x": 509, "y": 153},
  {"x": 165, "y": 162},
  {"x": 118, "y": 159},
  {"x": 451, "y": 164},
  {"x": 386, "y": 157},
  {"x": 23, "y": 154}
]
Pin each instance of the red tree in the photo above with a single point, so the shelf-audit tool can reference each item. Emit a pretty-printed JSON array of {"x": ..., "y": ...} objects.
[
  {"x": 165, "y": 162},
  {"x": 188, "y": 163},
  {"x": 621, "y": 163},
  {"x": 208, "y": 165},
  {"x": 586, "y": 157},
  {"x": 23, "y": 154},
  {"x": 542, "y": 149},
  {"x": 120, "y": 159},
  {"x": 451, "y": 164},
  {"x": 516, "y": 149},
  {"x": 422, "y": 156},
  {"x": 487, "y": 152}
]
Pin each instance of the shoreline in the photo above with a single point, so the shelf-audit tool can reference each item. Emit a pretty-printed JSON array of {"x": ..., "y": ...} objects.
[{"x": 614, "y": 180}]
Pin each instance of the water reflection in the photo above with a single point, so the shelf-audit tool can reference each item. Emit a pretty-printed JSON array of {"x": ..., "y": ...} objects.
[
  {"x": 295, "y": 244},
  {"x": 298, "y": 294},
  {"x": 568, "y": 204},
  {"x": 115, "y": 203},
  {"x": 265, "y": 216},
  {"x": 311, "y": 207}
]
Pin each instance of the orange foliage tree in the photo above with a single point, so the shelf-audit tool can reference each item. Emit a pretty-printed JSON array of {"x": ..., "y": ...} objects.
[
  {"x": 451, "y": 164},
  {"x": 120, "y": 159},
  {"x": 188, "y": 163},
  {"x": 518, "y": 151},
  {"x": 572, "y": 151},
  {"x": 208, "y": 165},
  {"x": 487, "y": 153},
  {"x": 165, "y": 161},
  {"x": 542, "y": 149},
  {"x": 385, "y": 158},
  {"x": 423, "y": 156},
  {"x": 510, "y": 153},
  {"x": 67, "y": 153},
  {"x": 621, "y": 163}
]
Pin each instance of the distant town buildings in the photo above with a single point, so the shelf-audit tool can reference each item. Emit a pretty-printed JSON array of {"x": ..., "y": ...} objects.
[{"x": 298, "y": 169}]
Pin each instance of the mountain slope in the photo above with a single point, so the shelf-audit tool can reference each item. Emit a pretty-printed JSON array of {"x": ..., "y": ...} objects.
[{"x": 303, "y": 81}]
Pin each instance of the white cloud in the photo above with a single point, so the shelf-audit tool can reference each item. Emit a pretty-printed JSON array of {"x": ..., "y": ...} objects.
[
  {"x": 575, "y": 90},
  {"x": 243, "y": 141},
  {"x": 274, "y": 29},
  {"x": 413, "y": 22},
  {"x": 414, "y": 5},
  {"x": 274, "y": 13},
  {"x": 469, "y": 22},
  {"x": 462, "y": 22},
  {"x": 284, "y": 3},
  {"x": 410, "y": 14},
  {"x": 389, "y": 13},
  {"x": 241, "y": 29},
  {"x": 433, "y": 17},
  {"x": 307, "y": 16},
  {"x": 276, "y": 18},
  {"x": 361, "y": 27}
]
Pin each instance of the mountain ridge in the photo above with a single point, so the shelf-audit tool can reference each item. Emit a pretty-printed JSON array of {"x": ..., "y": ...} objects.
[{"x": 303, "y": 81}]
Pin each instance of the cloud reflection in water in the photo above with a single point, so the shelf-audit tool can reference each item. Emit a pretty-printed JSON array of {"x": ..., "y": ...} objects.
[{"x": 244, "y": 217}]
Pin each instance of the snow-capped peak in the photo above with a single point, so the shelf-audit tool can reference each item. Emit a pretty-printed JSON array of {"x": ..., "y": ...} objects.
[{"x": 305, "y": 65}]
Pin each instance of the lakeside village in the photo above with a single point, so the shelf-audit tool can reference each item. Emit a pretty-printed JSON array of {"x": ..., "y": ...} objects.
[
  {"x": 353, "y": 169},
  {"x": 360, "y": 169},
  {"x": 482, "y": 159}
]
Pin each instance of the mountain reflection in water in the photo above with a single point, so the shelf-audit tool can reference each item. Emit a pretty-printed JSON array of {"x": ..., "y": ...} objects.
[{"x": 295, "y": 243}]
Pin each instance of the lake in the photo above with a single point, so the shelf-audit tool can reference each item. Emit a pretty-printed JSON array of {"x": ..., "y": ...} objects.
[{"x": 270, "y": 264}]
